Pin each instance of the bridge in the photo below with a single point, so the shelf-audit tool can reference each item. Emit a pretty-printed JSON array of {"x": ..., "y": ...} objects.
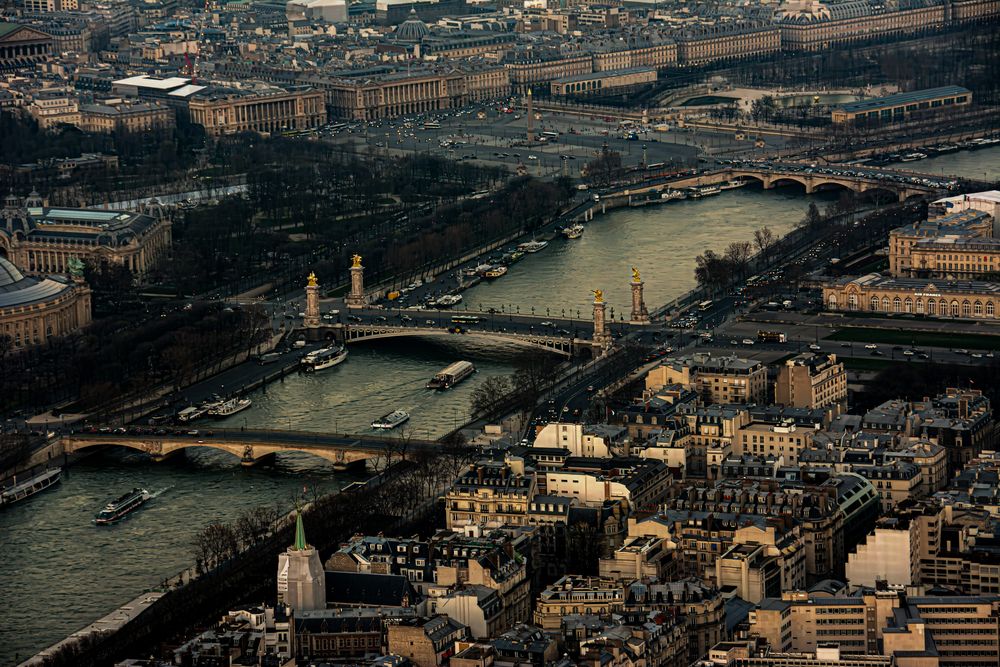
[
  {"x": 568, "y": 345},
  {"x": 254, "y": 446},
  {"x": 896, "y": 184}
]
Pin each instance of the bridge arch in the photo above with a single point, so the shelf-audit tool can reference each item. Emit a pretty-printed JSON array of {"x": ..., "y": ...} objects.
[
  {"x": 784, "y": 180},
  {"x": 156, "y": 449},
  {"x": 554, "y": 345}
]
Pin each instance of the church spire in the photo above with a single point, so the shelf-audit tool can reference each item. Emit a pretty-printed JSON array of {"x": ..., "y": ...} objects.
[{"x": 300, "y": 533}]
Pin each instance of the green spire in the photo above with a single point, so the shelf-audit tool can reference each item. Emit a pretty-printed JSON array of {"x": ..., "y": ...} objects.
[{"x": 300, "y": 533}]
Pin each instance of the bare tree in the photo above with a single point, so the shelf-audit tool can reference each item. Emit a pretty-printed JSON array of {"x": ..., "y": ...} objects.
[
  {"x": 764, "y": 239},
  {"x": 490, "y": 395}
]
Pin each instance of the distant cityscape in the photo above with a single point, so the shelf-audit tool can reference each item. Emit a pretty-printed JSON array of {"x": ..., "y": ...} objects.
[{"x": 461, "y": 333}]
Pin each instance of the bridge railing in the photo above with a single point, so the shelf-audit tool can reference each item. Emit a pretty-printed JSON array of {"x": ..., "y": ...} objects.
[{"x": 288, "y": 436}]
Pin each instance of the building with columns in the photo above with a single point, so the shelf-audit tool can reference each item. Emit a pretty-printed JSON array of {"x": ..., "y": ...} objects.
[
  {"x": 33, "y": 310},
  {"x": 873, "y": 293},
  {"x": 41, "y": 239},
  {"x": 228, "y": 111},
  {"x": 21, "y": 46}
]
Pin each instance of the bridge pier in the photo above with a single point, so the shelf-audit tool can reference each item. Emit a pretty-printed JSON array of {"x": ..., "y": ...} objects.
[
  {"x": 159, "y": 457},
  {"x": 248, "y": 460}
]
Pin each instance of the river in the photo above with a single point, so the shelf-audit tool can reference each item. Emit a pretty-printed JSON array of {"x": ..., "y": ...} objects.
[{"x": 60, "y": 572}]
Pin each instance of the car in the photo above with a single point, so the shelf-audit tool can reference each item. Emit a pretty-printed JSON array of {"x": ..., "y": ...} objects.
[
  {"x": 194, "y": 432},
  {"x": 877, "y": 353},
  {"x": 532, "y": 157},
  {"x": 748, "y": 341},
  {"x": 908, "y": 353},
  {"x": 565, "y": 408},
  {"x": 429, "y": 323},
  {"x": 546, "y": 323},
  {"x": 590, "y": 387},
  {"x": 814, "y": 347},
  {"x": 845, "y": 345},
  {"x": 734, "y": 342},
  {"x": 871, "y": 346},
  {"x": 976, "y": 355},
  {"x": 922, "y": 355},
  {"x": 354, "y": 318},
  {"x": 961, "y": 351}
]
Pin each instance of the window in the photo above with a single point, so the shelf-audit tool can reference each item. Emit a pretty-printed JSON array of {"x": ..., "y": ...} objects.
[
  {"x": 931, "y": 307},
  {"x": 885, "y": 304},
  {"x": 920, "y": 306},
  {"x": 954, "y": 308},
  {"x": 977, "y": 309},
  {"x": 908, "y": 305},
  {"x": 852, "y": 301},
  {"x": 832, "y": 302},
  {"x": 966, "y": 309},
  {"x": 989, "y": 309},
  {"x": 897, "y": 305},
  {"x": 874, "y": 303}
]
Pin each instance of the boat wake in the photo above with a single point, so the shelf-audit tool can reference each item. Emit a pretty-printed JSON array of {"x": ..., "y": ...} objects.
[{"x": 160, "y": 492}]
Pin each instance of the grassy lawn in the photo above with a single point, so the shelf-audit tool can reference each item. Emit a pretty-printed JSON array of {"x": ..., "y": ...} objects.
[
  {"x": 865, "y": 364},
  {"x": 918, "y": 338}
]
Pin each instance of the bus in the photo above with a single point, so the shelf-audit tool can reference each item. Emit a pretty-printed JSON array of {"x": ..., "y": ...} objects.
[
  {"x": 654, "y": 166},
  {"x": 705, "y": 305},
  {"x": 549, "y": 136},
  {"x": 432, "y": 125},
  {"x": 772, "y": 337},
  {"x": 465, "y": 319}
]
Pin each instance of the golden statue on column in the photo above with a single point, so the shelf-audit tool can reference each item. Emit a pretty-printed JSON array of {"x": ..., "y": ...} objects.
[
  {"x": 639, "y": 313},
  {"x": 311, "y": 318},
  {"x": 356, "y": 297},
  {"x": 598, "y": 295}
]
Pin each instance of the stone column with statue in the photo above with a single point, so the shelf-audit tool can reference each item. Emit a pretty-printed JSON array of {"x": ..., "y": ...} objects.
[
  {"x": 311, "y": 319},
  {"x": 602, "y": 332},
  {"x": 639, "y": 313},
  {"x": 356, "y": 297}
]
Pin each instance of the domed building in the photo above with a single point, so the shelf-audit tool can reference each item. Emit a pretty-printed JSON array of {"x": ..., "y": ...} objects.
[
  {"x": 33, "y": 310},
  {"x": 412, "y": 30}
]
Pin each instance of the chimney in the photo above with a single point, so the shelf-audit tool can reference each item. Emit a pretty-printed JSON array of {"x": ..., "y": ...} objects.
[{"x": 479, "y": 473}]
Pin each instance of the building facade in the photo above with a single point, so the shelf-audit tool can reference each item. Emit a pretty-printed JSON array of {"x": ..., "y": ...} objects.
[
  {"x": 45, "y": 240},
  {"x": 968, "y": 299},
  {"x": 34, "y": 310},
  {"x": 811, "y": 381}
]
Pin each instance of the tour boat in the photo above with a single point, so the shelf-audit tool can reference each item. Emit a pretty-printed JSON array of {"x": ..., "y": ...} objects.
[
  {"x": 122, "y": 506},
  {"x": 573, "y": 232},
  {"x": 449, "y": 300},
  {"x": 452, "y": 375},
  {"x": 732, "y": 185},
  {"x": 533, "y": 246},
  {"x": 496, "y": 272},
  {"x": 391, "y": 420},
  {"x": 708, "y": 190},
  {"x": 26, "y": 488},
  {"x": 230, "y": 407},
  {"x": 325, "y": 358},
  {"x": 913, "y": 157},
  {"x": 189, "y": 414},
  {"x": 671, "y": 195}
]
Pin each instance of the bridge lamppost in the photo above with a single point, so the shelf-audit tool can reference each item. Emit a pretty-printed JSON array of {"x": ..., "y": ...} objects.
[{"x": 532, "y": 311}]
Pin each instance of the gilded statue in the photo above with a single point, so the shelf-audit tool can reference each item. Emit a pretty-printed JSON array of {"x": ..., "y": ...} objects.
[
  {"x": 635, "y": 275},
  {"x": 357, "y": 262},
  {"x": 311, "y": 280},
  {"x": 598, "y": 295}
]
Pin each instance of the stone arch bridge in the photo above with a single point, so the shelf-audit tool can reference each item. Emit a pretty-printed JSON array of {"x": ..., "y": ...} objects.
[
  {"x": 254, "y": 446},
  {"x": 771, "y": 178},
  {"x": 565, "y": 345}
]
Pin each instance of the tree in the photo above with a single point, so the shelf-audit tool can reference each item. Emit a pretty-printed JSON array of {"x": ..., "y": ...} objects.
[
  {"x": 491, "y": 395},
  {"x": 813, "y": 221},
  {"x": 762, "y": 108},
  {"x": 738, "y": 256},
  {"x": 712, "y": 271},
  {"x": 764, "y": 239},
  {"x": 605, "y": 167}
]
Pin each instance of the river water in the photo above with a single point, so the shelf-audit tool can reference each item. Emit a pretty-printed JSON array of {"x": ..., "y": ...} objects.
[{"x": 60, "y": 572}]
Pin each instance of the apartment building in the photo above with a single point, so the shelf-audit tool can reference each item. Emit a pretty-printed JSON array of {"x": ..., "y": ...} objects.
[
  {"x": 575, "y": 594},
  {"x": 491, "y": 494},
  {"x": 932, "y": 248},
  {"x": 811, "y": 381},
  {"x": 963, "y": 630},
  {"x": 780, "y": 440},
  {"x": 725, "y": 379}
]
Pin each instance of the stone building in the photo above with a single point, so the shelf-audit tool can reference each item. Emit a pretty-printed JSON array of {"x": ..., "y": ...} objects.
[
  {"x": 491, "y": 494},
  {"x": 34, "y": 310},
  {"x": 911, "y": 257},
  {"x": 425, "y": 642},
  {"x": 21, "y": 46},
  {"x": 811, "y": 381},
  {"x": 137, "y": 117},
  {"x": 964, "y": 630},
  {"x": 724, "y": 379},
  {"x": 43, "y": 239},
  {"x": 228, "y": 111},
  {"x": 727, "y": 42},
  {"x": 969, "y": 299},
  {"x": 604, "y": 82}
]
